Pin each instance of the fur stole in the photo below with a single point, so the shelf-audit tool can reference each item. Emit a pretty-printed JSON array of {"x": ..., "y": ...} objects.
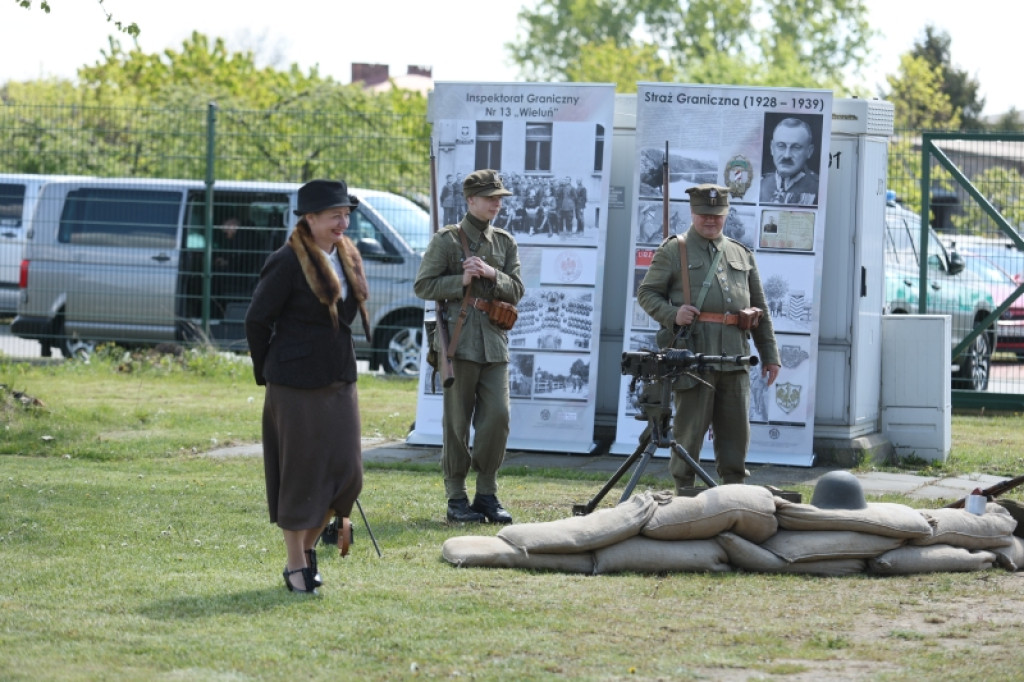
[{"x": 322, "y": 279}]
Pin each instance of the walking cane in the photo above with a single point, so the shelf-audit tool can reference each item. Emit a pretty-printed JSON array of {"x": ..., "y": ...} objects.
[{"x": 367, "y": 524}]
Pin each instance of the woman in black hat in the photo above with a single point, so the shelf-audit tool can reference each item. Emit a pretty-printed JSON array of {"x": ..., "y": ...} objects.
[{"x": 299, "y": 331}]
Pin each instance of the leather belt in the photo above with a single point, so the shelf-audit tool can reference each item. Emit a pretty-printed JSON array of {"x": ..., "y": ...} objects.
[
  {"x": 728, "y": 319},
  {"x": 483, "y": 304}
]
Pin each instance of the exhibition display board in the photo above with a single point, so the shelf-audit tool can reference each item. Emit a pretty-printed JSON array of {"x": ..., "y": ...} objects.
[
  {"x": 736, "y": 137},
  {"x": 552, "y": 146}
]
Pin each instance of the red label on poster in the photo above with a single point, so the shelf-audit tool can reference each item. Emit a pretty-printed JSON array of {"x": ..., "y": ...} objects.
[{"x": 643, "y": 257}]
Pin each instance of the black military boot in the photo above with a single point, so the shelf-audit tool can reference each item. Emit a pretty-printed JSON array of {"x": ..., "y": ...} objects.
[
  {"x": 459, "y": 511},
  {"x": 489, "y": 507}
]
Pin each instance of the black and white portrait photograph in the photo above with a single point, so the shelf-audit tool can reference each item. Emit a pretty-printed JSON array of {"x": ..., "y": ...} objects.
[{"x": 791, "y": 159}]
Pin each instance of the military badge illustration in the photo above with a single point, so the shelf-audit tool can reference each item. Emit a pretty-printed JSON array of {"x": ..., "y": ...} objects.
[
  {"x": 738, "y": 175},
  {"x": 787, "y": 396},
  {"x": 792, "y": 355},
  {"x": 569, "y": 267}
]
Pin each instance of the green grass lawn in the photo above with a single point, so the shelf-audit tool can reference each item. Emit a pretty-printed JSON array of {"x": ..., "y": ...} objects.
[{"x": 127, "y": 553}]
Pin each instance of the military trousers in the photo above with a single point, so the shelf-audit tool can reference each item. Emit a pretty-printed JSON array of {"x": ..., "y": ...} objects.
[
  {"x": 724, "y": 406},
  {"x": 479, "y": 397}
]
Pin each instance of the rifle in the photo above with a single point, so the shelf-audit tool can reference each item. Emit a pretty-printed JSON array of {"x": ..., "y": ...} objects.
[
  {"x": 664, "y": 195},
  {"x": 992, "y": 491},
  {"x": 444, "y": 362}
]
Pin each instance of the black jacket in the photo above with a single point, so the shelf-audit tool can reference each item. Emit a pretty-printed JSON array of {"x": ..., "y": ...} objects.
[{"x": 291, "y": 338}]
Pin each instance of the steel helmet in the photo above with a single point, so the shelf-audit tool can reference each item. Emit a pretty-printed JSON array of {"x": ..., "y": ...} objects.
[{"x": 838, "y": 490}]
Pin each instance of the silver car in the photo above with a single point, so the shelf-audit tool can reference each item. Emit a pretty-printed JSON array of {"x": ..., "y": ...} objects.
[{"x": 132, "y": 262}]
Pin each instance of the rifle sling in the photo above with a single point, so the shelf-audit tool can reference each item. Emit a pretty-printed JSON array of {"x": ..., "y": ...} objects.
[{"x": 453, "y": 343}]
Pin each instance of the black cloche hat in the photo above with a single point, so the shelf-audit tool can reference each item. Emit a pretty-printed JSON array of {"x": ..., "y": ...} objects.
[{"x": 320, "y": 195}]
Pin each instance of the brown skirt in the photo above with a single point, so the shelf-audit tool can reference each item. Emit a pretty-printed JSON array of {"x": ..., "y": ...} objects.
[{"x": 312, "y": 453}]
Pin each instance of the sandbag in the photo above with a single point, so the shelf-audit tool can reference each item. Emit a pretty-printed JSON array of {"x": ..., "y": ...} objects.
[
  {"x": 583, "y": 533},
  {"x": 493, "y": 552},
  {"x": 878, "y": 518},
  {"x": 816, "y": 545},
  {"x": 747, "y": 510},
  {"x": 960, "y": 528},
  {"x": 645, "y": 555},
  {"x": 930, "y": 559},
  {"x": 1016, "y": 510},
  {"x": 1010, "y": 557},
  {"x": 747, "y": 556}
]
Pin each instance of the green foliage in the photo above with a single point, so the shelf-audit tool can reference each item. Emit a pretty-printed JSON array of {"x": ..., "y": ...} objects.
[
  {"x": 959, "y": 87},
  {"x": 1002, "y": 187},
  {"x": 131, "y": 29},
  {"x": 810, "y": 43},
  {"x": 917, "y": 95},
  {"x": 134, "y": 114}
]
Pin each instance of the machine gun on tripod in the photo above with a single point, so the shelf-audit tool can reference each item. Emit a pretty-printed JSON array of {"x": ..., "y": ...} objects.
[{"x": 656, "y": 371}]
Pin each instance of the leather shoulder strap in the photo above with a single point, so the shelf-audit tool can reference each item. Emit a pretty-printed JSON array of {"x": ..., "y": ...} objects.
[{"x": 684, "y": 268}]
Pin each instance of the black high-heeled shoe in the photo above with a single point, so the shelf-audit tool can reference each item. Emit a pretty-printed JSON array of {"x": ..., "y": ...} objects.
[
  {"x": 307, "y": 580},
  {"x": 311, "y": 560}
]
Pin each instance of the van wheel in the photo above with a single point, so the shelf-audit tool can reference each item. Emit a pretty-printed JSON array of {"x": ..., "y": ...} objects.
[
  {"x": 77, "y": 349},
  {"x": 400, "y": 348},
  {"x": 975, "y": 365}
]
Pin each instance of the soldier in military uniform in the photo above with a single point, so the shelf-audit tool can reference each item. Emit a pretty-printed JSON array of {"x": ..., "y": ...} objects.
[
  {"x": 723, "y": 401},
  {"x": 480, "y": 392}
]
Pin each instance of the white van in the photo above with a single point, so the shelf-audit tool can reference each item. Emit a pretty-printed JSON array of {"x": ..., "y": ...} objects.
[
  {"x": 124, "y": 260},
  {"x": 18, "y": 196}
]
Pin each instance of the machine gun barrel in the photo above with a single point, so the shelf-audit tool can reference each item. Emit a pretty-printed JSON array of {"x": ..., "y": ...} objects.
[{"x": 667, "y": 362}]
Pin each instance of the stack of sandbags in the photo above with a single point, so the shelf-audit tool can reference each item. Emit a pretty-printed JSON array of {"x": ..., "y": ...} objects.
[
  {"x": 565, "y": 544},
  {"x": 748, "y": 528},
  {"x": 959, "y": 541},
  {"x": 681, "y": 535}
]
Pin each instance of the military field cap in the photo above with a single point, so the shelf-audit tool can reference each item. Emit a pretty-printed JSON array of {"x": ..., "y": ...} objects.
[
  {"x": 484, "y": 183},
  {"x": 320, "y": 195},
  {"x": 708, "y": 199}
]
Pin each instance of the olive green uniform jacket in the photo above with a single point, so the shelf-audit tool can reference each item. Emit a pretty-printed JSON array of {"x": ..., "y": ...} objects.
[
  {"x": 479, "y": 396},
  {"x": 440, "y": 279},
  {"x": 736, "y": 285}
]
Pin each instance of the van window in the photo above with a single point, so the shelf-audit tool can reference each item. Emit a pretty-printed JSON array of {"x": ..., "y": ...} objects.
[
  {"x": 361, "y": 229},
  {"x": 12, "y": 200},
  {"x": 408, "y": 219},
  {"x": 120, "y": 217}
]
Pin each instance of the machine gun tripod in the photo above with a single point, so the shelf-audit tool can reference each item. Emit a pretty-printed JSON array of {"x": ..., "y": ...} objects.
[{"x": 657, "y": 370}]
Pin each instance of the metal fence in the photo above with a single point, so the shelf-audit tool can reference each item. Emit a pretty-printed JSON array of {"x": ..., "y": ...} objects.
[
  {"x": 967, "y": 189},
  {"x": 153, "y": 252},
  {"x": 138, "y": 247}
]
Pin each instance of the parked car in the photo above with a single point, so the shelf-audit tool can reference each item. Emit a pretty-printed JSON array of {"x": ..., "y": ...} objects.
[
  {"x": 18, "y": 196},
  {"x": 124, "y": 260},
  {"x": 949, "y": 292},
  {"x": 1000, "y": 250},
  {"x": 1002, "y": 286}
]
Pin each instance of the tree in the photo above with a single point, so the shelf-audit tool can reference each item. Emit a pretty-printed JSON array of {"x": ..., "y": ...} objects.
[
  {"x": 917, "y": 95},
  {"x": 799, "y": 43},
  {"x": 138, "y": 114},
  {"x": 131, "y": 29},
  {"x": 956, "y": 84}
]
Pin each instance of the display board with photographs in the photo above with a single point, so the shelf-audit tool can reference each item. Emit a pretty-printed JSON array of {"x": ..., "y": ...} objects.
[
  {"x": 552, "y": 145},
  {"x": 770, "y": 148}
]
